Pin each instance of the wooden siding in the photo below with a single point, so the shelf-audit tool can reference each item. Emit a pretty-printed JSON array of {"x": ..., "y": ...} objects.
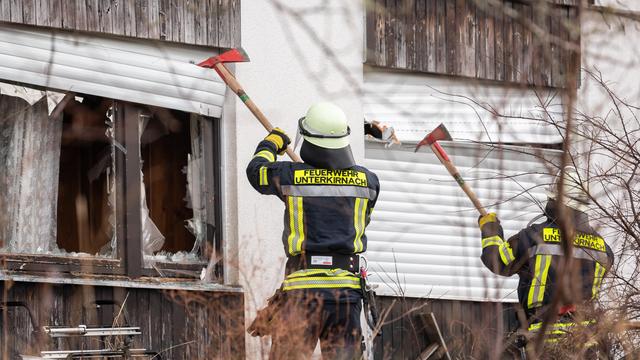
[
  {"x": 198, "y": 22},
  {"x": 470, "y": 329},
  {"x": 519, "y": 42},
  {"x": 182, "y": 324}
]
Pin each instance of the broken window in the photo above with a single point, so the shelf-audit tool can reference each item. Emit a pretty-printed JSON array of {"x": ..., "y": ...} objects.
[
  {"x": 173, "y": 211},
  {"x": 78, "y": 169},
  {"x": 86, "y": 200},
  {"x": 55, "y": 183}
]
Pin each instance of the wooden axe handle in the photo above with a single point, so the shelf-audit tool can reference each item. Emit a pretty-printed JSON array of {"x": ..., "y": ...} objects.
[
  {"x": 235, "y": 86},
  {"x": 444, "y": 159}
]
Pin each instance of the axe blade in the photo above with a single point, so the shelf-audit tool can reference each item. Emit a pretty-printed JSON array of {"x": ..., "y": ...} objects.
[
  {"x": 439, "y": 133},
  {"x": 233, "y": 55}
]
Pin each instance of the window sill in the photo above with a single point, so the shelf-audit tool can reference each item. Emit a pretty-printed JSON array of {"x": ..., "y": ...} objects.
[
  {"x": 60, "y": 263},
  {"x": 117, "y": 281}
]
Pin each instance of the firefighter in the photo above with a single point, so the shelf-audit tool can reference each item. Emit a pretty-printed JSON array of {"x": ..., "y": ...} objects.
[
  {"x": 328, "y": 202},
  {"x": 535, "y": 254}
]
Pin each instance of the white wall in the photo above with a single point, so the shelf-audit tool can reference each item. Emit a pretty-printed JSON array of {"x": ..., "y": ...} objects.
[
  {"x": 296, "y": 60},
  {"x": 609, "y": 48},
  {"x": 625, "y": 5}
]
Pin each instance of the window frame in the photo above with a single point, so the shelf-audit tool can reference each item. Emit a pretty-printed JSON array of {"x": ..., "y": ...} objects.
[{"x": 128, "y": 260}]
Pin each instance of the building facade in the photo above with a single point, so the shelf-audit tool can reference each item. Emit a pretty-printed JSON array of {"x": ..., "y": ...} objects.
[{"x": 142, "y": 197}]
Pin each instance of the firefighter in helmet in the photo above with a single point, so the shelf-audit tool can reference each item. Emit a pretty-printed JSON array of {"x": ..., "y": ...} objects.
[
  {"x": 536, "y": 254},
  {"x": 328, "y": 202}
]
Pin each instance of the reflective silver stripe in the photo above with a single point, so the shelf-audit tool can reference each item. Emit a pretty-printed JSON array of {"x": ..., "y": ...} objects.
[
  {"x": 504, "y": 249},
  {"x": 359, "y": 214},
  {"x": 321, "y": 282},
  {"x": 296, "y": 225},
  {"x": 556, "y": 326},
  {"x": 266, "y": 154},
  {"x": 263, "y": 176},
  {"x": 539, "y": 281},
  {"x": 598, "y": 274},
  {"x": 328, "y": 191},
  {"x": 578, "y": 253}
]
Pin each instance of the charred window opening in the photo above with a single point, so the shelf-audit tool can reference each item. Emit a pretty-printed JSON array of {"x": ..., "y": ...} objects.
[
  {"x": 77, "y": 171},
  {"x": 86, "y": 222},
  {"x": 171, "y": 156}
]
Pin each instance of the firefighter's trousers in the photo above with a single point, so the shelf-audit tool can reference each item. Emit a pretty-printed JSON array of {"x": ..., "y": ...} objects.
[{"x": 329, "y": 315}]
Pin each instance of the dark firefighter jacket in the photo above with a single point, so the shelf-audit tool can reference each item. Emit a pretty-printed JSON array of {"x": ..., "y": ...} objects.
[
  {"x": 534, "y": 254},
  {"x": 326, "y": 212}
]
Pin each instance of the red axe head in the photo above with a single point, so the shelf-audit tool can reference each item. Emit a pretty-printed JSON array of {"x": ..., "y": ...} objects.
[
  {"x": 439, "y": 133},
  {"x": 233, "y": 55}
]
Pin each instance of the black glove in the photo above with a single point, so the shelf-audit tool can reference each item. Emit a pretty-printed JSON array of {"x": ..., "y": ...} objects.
[{"x": 279, "y": 139}]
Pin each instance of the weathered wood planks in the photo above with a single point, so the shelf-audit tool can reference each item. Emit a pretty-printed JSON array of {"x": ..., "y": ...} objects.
[
  {"x": 470, "y": 329},
  {"x": 516, "y": 41},
  {"x": 200, "y": 22},
  {"x": 183, "y": 324}
]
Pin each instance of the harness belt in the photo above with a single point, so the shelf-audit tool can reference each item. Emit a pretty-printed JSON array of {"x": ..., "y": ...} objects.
[{"x": 305, "y": 261}]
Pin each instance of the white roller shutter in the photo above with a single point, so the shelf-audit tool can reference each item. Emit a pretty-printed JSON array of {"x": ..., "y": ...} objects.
[
  {"x": 423, "y": 237},
  {"x": 414, "y": 104},
  {"x": 153, "y": 73}
]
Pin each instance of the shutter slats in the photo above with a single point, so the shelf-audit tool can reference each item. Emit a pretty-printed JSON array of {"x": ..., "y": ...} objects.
[{"x": 424, "y": 229}]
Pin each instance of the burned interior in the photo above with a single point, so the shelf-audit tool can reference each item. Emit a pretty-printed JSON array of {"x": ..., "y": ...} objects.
[{"x": 73, "y": 155}]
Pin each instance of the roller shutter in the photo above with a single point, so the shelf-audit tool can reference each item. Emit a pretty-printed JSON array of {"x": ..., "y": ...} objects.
[
  {"x": 153, "y": 73},
  {"x": 423, "y": 237}
]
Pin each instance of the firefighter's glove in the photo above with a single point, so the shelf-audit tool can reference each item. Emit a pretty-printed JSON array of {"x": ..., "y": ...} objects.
[
  {"x": 489, "y": 218},
  {"x": 278, "y": 138}
]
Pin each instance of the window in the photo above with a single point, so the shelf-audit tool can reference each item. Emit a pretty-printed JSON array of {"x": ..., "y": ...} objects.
[{"x": 105, "y": 186}]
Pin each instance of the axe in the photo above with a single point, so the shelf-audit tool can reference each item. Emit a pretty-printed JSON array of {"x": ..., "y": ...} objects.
[
  {"x": 238, "y": 55},
  {"x": 441, "y": 133}
]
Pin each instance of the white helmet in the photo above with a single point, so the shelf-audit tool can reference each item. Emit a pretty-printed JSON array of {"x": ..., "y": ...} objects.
[
  {"x": 326, "y": 137},
  {"x": 575, "y": 192}
]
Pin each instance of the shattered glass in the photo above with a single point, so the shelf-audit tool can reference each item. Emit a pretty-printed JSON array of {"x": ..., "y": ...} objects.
[{"x": 174, "y": 232}]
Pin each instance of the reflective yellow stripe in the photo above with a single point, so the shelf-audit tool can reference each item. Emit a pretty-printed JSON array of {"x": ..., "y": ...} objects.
[
  {"x": 300, "y": 225},
  {"x": 506, "y": 254},
  {"x": 300, "y": 279},
  {"x": 363, "y": 223},
  {"x": 539, "y": 281},
  {"x": 545, "y": 275},
  {"x": 562, "y": 325},
  {"x": 504, "y": 249},
  {"x": 296, "y": 224},
  {"x": 321, "y": 286},
  {"x": 359, "y": 215},
  {"x": 263, "y": 176},
  {"x": 356, "y": 224},
  {"x": 598, "y": 274},
  {"x": 494, "y": 240},
  {"x": 322, "y": 282},
  {"x": 292, "y": 227},
  {"x": 265, "y": 154}
]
